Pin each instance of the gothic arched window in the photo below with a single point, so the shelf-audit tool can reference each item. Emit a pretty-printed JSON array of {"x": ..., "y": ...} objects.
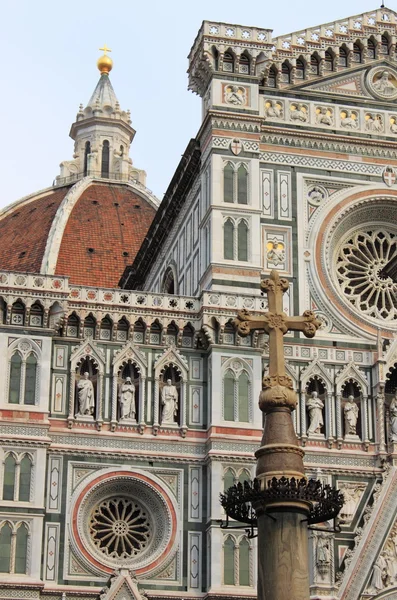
[
  {"x": 36, "y": 315},
  {"x": 385, "y": 45},
  {"x": 5, "y": 548},
  {"x": 244, "y": 64},
  {"x": 228, "y": 62},
  {"x": 236, "y": 396},
  {"x": 242, "y": 185},
  {"x": 242, "y": 241},
  {"x": 215, "y": 55},
  {"x": 122, "y": 330},
  {"x": 342, "y": 57},
  {"x": 30, "y": 380},
  {"x": 168, "y": 285},
  {"x": 89, "y": 326},
  {"x": 18, "y": 313},
  {"x": 228, "y": 183},
  {"x": 272, "y": 77},
  {"x": 357, "y": 53},
  {"x": 105, "y": 159},
  {"x": 21, "y": 549},
  {"x": 25, "y": 475},
  {"x": 15, "y": 379},
  {"x": 73, "y": 326},
  {"x": 106, "y": 329},
  {"x": 228, "y": 562},
  {"x": 285, "y": 73},
  {"x": 10, "y": 465},
  {"x": 87, "y": 151},
  {"x": 300, "y": 69},
  {"x": 314, "y": 65},
  {"x": 228, "y": 479},
  {"x": 371, "y": 51},
  {"x": 244, "y": 562},
  {"x": 329, "y": 61},
  {"x": 228, "y": 240}
]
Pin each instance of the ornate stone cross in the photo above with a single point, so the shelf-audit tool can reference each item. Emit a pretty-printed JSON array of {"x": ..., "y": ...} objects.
[{"x": 277, "y": 386}]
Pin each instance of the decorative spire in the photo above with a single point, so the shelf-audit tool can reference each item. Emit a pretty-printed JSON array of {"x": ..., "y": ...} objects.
[{"x": 104, "y": 62}]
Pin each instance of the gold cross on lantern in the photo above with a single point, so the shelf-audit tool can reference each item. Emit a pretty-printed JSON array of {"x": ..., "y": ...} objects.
[
  {"x": 277, "y": 386},
  {"x": 105, "y": 49}
]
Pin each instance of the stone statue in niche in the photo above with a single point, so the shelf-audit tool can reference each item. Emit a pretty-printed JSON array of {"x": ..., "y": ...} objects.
[
  {"x": 323, "y": 554},
  {"x": 379, "y": 575},
  {"x": 86, "y": 396},
  {"x": 127, "y": 400},
  {"x": 393, "y": 419},
  {"x": 315, "y": 407},
  {"x": 351, "y": 411},
  {"x": 169, "y": 402}
]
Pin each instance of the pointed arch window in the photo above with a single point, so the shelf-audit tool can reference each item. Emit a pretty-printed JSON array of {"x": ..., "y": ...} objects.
[
  {"x": 357, "y": 53},
  {"x": 228, "y": 240},
  {"x": 30, "y": 380},
  {"x": 242, "y": 185},
  {"x": 342, "y": 57},
  {"x": 314, "y": 65},
  {"x": 300, "y": 69},
  {"x": 36, "y": 315},
  {"x": 18, "y": 313},
  {"x": 244, "y": 562},
  {"x": 122, "y": 330},
  {"x": 105, "y": 159},
  {"x": 15, "y": 379},
  {"x": 385, "y": 45},
  {"x": 5, "y": 548},
  {"x": 236, "y": 396},
  {"x": 21, "y": 549},
  {"x": 89, "y": 326},
  {"x": 228, "y": 62},
  {"x": 10, "y": 466},
  {"x": 272, "y": 77},
  {"x": 244, "y": 64},
  {"x": 285, "y": 73},
  {"x": 329, "y": 61},
  {"x": 87, "y": 152},
  {"x": 371, "y": 49},
  {"x": 228, "y": 479},
  {"x": 228, "y": 562},
  {"x": 73, "y": 326},
  {"x": 242, "y": 241},
  {"x": 215, "y": 55},
  {"x": 106, "y": 329},
  {"x": 25, "y": 476},
  {"x": 228, "y": 183}
]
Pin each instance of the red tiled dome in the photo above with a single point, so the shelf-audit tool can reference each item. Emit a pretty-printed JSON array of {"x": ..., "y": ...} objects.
[{"x": 89, "y": 236}]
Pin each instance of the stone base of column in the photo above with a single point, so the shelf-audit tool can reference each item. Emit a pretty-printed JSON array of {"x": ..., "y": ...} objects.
[{"x": 283, "y": 569}]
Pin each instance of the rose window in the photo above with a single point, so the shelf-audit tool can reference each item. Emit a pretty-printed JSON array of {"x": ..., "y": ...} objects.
[
  {"x": 120, "y": 527},
  {"x": 360, "y": 260}
]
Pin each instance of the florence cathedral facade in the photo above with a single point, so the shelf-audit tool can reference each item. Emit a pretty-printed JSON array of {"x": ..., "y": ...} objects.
[{"x": 128, "y": 402}]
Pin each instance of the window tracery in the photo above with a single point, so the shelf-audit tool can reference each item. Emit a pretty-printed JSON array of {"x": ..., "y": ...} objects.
[
  {"x": 14, "y": 542},
  {"x": 23, "y": 373},
  {"x": 237, "y": 393},
  {"x": 237, "y": 561},
  {"x": 236, "y": 239}
]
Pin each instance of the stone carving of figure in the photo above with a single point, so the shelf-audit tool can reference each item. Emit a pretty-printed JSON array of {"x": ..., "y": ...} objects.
[
  {"x": 169, "y": 401},
  {"x": 299, "y": 114},
  {"x": 274, "y": 110},
  {"x": 379, "y": 574},
  {"x": 393, "y": 127},
  {"x": 315, "y": 406},
  {"x": 384, "y": 85},
  {"x": 316, "y": 195},
  {"x": 351, "y": 416},
  {"x": 393, "y": 419},
  {"x": 86, "y": 396},
  {"x": 323, "y": 118},
  {"x": 127, "y": 400},
  {"x": 236, "y": 95},
  {"x": 374, "y": 123},
  {"x": 323, "y": 553},
  {"x": 352, "y": 497},
  {"x": 349, "y": 122}
]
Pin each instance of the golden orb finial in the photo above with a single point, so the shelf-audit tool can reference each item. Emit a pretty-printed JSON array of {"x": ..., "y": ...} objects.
[{"x": 104, "y": 62}]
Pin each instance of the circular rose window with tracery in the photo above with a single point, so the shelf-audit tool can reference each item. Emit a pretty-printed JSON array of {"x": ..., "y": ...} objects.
[
  {"x": 120, "y": 527},
  {"x": 123, "y": 520},
  {"x": 360, "y": 260}
]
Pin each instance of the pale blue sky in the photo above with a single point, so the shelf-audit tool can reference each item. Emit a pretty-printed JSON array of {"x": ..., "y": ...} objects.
[{"x": 49, "y": 53}]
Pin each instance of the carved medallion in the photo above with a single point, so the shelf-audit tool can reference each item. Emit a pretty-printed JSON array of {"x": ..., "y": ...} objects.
[{"x": 382, "y": 83}]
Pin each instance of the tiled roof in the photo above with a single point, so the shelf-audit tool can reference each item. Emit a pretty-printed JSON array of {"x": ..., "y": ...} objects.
[
  {"x": 102, "y": 235},
  {"x": 24, "y": 231}
]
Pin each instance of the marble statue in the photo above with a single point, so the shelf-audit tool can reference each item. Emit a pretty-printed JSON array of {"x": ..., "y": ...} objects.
[
  {"x": 384, "y": 85},
  {"x": 299, "y": 114},
  {"x": 349, "y": 122},
  {"x": 274, "y": 110},
  {"x": 379, "y": 574},
  {"x": 127, "y": 400},
  {"x": 315, "y": 406},
  {"x": 86, "y": 396},
  {"x": 393, "y": 419},
  {"x": 169, "y": 401},
  {"x": 350, "y": 411},
  {"x": 323, "y": 554}
]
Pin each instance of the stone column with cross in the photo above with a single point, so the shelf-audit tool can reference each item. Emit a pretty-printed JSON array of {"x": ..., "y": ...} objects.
[{"x": 283, "y": 570}]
